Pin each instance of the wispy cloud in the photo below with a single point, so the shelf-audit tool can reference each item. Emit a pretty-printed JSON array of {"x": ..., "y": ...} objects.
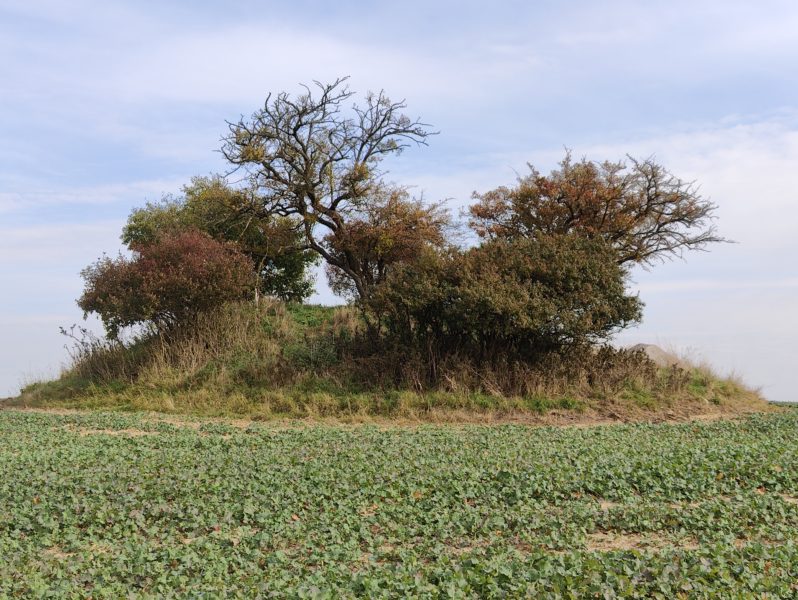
[{"x": 41, "y": 198}]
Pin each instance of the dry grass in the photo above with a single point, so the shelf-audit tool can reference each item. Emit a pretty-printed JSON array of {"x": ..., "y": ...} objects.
[{"x": 273, "y": 361}]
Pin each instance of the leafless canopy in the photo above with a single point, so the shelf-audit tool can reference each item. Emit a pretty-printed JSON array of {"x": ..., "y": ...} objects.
[{"x": 317, "y": 157}]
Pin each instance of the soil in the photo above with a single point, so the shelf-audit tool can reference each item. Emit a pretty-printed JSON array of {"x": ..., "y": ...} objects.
[{"x": 609, "y": 415}]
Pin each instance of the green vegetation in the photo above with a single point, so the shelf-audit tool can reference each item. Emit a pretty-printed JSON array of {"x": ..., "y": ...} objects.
[
  {"x": 293, "y": 360},
  {"x": 515, "y": 299},
  {"x": 117, "y": 505},
  {"x": 204, "y": 317}
]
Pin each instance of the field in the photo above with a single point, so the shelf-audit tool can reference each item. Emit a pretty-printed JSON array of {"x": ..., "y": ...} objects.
[{"x": 111, "y": 505}]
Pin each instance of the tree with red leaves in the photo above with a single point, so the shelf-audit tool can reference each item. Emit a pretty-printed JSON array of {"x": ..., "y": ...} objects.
[
  {"x": 388, "y": 230},
  {"x": 166, "y": 282},
  {"x": 642, "y": 210}
]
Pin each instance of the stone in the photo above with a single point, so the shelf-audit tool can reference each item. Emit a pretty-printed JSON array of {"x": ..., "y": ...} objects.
[{"x": 660, "y": 357}]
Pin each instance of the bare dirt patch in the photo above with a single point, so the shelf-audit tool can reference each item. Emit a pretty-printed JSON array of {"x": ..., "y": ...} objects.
[
  {"x": 119, "y": 432},
  {"x": 608, "y": 541},
  {"x": 742, "y": 542},
  {"x": 100, "y": 548},
  {"x": 47, "y": 411},
  {"x": 55, "y": 552}
]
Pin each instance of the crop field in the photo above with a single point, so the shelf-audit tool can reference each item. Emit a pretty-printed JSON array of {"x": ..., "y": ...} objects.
[{"x": 112, "y": 505}]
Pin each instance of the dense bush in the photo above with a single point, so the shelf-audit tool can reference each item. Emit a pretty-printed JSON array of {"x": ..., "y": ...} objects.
[
  {"x": 166, "y": 282},
  {"x": 520, "y": 298},
  {"x": 228, "y": 214},
  {"x": 307, "y": 360}
]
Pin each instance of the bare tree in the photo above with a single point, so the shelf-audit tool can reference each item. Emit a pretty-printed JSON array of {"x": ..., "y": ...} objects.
[
  {"x": 641, "y": 209},
  {"x": 317, "y": 157}
]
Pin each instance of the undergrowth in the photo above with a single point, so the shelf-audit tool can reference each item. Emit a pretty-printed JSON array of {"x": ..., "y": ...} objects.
[{"x": 282, "y": 360}]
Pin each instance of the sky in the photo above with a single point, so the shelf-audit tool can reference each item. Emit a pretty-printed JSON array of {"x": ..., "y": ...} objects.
[{"x": 105, "y": 105}]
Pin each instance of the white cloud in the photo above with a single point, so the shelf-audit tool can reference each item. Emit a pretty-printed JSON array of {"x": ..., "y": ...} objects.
[
  {"x": 31, "y": 197},
  {"x": 40, "y": 266},
  {"x": 734, "y": 306},
  {"x": 54, "y": 245},
  {"x": 745, "y": 168},
  {"x": 239, "y": 65}
]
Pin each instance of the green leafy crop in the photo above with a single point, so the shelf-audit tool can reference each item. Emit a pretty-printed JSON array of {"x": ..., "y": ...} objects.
[{"x": 116, "y": 505}]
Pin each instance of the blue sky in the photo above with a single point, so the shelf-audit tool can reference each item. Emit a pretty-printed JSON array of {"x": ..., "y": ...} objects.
[{"x": 106, "y": 105}]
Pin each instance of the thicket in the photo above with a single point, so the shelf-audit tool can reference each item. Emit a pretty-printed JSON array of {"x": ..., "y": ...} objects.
[
  {"x": 297, "y": 360},
  {"x": 524, "y": 311},
  {"x": 519, "y": 299}
]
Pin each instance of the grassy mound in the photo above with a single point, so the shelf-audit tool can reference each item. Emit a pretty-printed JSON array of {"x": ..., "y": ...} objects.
[{"x": 281, "y": 360}]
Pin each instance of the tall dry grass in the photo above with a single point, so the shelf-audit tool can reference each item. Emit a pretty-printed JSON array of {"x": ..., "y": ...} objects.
[{"x": 273, "y": 359}]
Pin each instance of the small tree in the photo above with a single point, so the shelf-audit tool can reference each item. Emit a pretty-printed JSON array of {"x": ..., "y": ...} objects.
[
  {"x": 165, "y": 283},
  {"x": 643, "y": 211},
  {"x": 209, "y": 204},
  {"x": 388, "y": 230},
  {"x": 316, "y": 158}
]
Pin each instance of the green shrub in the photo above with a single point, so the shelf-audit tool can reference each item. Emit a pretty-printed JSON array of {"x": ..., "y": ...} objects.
[{"x": 520, "y": 298}]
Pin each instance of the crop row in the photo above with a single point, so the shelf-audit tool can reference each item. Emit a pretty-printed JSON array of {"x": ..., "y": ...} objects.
[{"x": 105, "y": 505}]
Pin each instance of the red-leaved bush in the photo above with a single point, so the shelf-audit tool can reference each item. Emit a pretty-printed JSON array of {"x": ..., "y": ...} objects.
[{"x": 165, "y": 283}]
